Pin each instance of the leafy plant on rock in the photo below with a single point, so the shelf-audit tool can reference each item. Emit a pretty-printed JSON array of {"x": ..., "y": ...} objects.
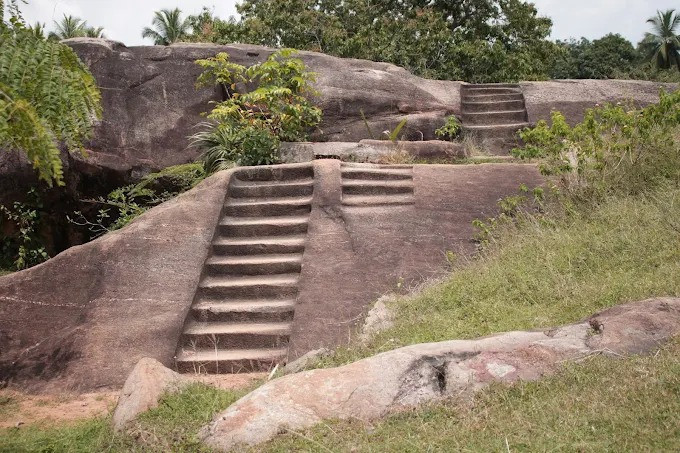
[
  {"x": 450, "y": 129},
  {"x": 246, "y": 128},
  {"x": 24, "y": 248}
]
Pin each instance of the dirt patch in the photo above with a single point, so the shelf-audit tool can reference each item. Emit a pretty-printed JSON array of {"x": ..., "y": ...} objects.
[{"x": 19, "y": 409}]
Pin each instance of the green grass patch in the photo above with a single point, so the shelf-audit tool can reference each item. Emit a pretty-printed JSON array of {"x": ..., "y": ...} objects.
[
  {"x": 172, "y": 426},
  {"x": 603, "y": 405},
  {"x": 547, "y": 273},
  {"x": 5, "y": 272}
]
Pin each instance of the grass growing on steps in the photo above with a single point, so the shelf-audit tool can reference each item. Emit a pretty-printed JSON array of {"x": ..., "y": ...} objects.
[
  {"x": 601, "y": 405},
  {"x": 170, "y": 427},
  {"x": 547, "y": 274}
]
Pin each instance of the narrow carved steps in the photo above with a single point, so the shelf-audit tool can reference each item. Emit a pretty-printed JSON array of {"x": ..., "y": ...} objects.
[
  {"x": 245, "y": 301},
  {"x": 365, "y": 185},
  {"x": 493, "y": 113}
]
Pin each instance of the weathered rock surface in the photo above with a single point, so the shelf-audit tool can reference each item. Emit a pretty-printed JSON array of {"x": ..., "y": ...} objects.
[
  {"x": 374, "y": 151},
  {"x": 83, "y": 319},
  {"x": 143, "y": 389},
  {"x": 305, "y": 361},
  {"x": 380, "y": 317},
  {"x": 417, "y": 374},
  {"x": 151, "y": 104},
  {"x": 573, "y": 97}
]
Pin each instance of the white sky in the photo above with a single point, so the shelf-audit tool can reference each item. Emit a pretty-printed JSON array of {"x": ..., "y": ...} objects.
[{"x": 123, "y": 20}]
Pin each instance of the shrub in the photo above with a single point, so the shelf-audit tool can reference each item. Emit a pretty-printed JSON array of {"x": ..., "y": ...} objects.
[
  {"x": 616, "y": 149},
  {"x": 23, "y": 249},
  {"x": 450, "y": 129},
  {"x": 246, "y": 128},
  {"x": 125, "y": 204}
]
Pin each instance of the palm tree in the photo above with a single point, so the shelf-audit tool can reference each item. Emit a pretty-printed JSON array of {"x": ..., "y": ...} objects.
[
  {"x": 168, "y": 27},
  {"x": 92, "y": 32},
  {"x": 69, "y": 27},
  {"x": 663, "y": 45}
]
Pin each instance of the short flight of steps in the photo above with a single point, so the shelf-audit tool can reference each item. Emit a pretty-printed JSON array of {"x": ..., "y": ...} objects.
[
  {"x": 493, "y": 113},
  {"x": 241, "y": 317},
  {"x": 366, "y": 185}
]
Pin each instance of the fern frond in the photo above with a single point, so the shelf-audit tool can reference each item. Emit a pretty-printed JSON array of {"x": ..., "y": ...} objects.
[{"x": 48, "y": 97}]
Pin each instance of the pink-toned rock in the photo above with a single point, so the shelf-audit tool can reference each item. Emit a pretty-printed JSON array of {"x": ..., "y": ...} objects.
[
  {"x": 143, "y": 389},
  {"x": 413, "y": 375}
]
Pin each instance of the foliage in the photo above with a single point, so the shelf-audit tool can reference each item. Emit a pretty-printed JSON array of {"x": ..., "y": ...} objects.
[
  {"x": 168, "y": 27},
  {"x": 608, "y": 57},
  {"x": 71, "y": 27},
  {"x": 125, "y": 204},
  {"x": 47, "y": 98},
  {"x": 450, "y": 129},
  {"x": 206, "y": 27},
  {"x": 615, "y": 149},
  {"x": 662, "y": 46},
  {"x": 475, "y": 40},
  {"x": 25, "y": 248},
  {"x": 246, "y": 127}
]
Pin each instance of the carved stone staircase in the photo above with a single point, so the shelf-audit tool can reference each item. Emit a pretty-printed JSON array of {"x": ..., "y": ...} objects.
[
  {"x": 243, "y": 309},
  {"x": 372, "y": 185},
  {"x": 493, "y": 113}
]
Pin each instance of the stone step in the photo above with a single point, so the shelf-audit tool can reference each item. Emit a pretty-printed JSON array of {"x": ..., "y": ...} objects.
[
  {"x": 372, "y": 187},
  {"x": 378, "y": 200},
  {"x": 476, "y": 91},
  {"x": 288, "y": 188},
  {"x": 377, "y": 174},
  {"x": 346, "y": 165},
  {"x": 273, "y": 173},
  {"x": 262, "y": 226},
  {"x": 229, "y": 361},
  {"x": 478, "y": 107},
  {"x": 248, "y": 287},
  {"x": 493, "y": 97},
  {"x": 493, "y": 118},
  {"x": 490, "y": 85},
  {"x": 254, "y": 207},
  {"x": 495, "y": 131},
  {"x": 254, "y": 264},
  {"x": 227, "y": 335},
  {"x": 259, "y": 245},
  {"x": 245, "y": 310}
]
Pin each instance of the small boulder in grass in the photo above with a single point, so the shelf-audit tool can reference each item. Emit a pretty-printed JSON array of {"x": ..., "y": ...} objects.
[{"x": 143, "y": 389}]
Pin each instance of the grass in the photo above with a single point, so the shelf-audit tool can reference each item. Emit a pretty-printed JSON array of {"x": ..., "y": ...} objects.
[
  {"x": 5, "y": 272},
  {"x": 545, "y": 274},
  {"x": 172, "y": 426},
  {"x": 602, "y": 405}
]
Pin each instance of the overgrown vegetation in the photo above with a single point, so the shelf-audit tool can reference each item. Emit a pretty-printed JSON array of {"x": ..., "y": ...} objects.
[
  {"x": 125, "y": 204},
  {"x": 23, "y": 248},
  {"x": 48, "y": 98},
  {"x": 450, "y": 129},
  {"x": 246, "y": 128},
  {"x": 471, "y": 40}
]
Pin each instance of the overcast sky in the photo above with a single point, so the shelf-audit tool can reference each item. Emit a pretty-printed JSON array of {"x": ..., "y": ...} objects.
[{"x": 123, "y": 20}]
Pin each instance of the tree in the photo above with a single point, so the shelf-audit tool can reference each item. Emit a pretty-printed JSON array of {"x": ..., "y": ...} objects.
[
  {"x": 506, "y": 39},
  {"x": 69, "y": 27},
  {"x": 605, "y": 58},
  {"x": 48, "y": 98},
  {"x": 206, "y": 27},
  {"x": 168, "y": 27},
  {"x": 662, "y": 46},
  {"x": 92, "y": 32}
]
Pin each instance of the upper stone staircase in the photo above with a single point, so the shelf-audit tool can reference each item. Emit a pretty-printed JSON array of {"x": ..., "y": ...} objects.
[
  {"x": 243, "y": 309},
  {"x": 377, "y": 185},
  {"x": 493, "y": 113}
]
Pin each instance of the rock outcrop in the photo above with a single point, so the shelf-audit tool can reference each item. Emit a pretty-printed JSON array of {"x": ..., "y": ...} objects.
[
  {"x": 410, "y": 376},
  {"x": 143, "y": 389},
  {"x": 83, "y": 319}
]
